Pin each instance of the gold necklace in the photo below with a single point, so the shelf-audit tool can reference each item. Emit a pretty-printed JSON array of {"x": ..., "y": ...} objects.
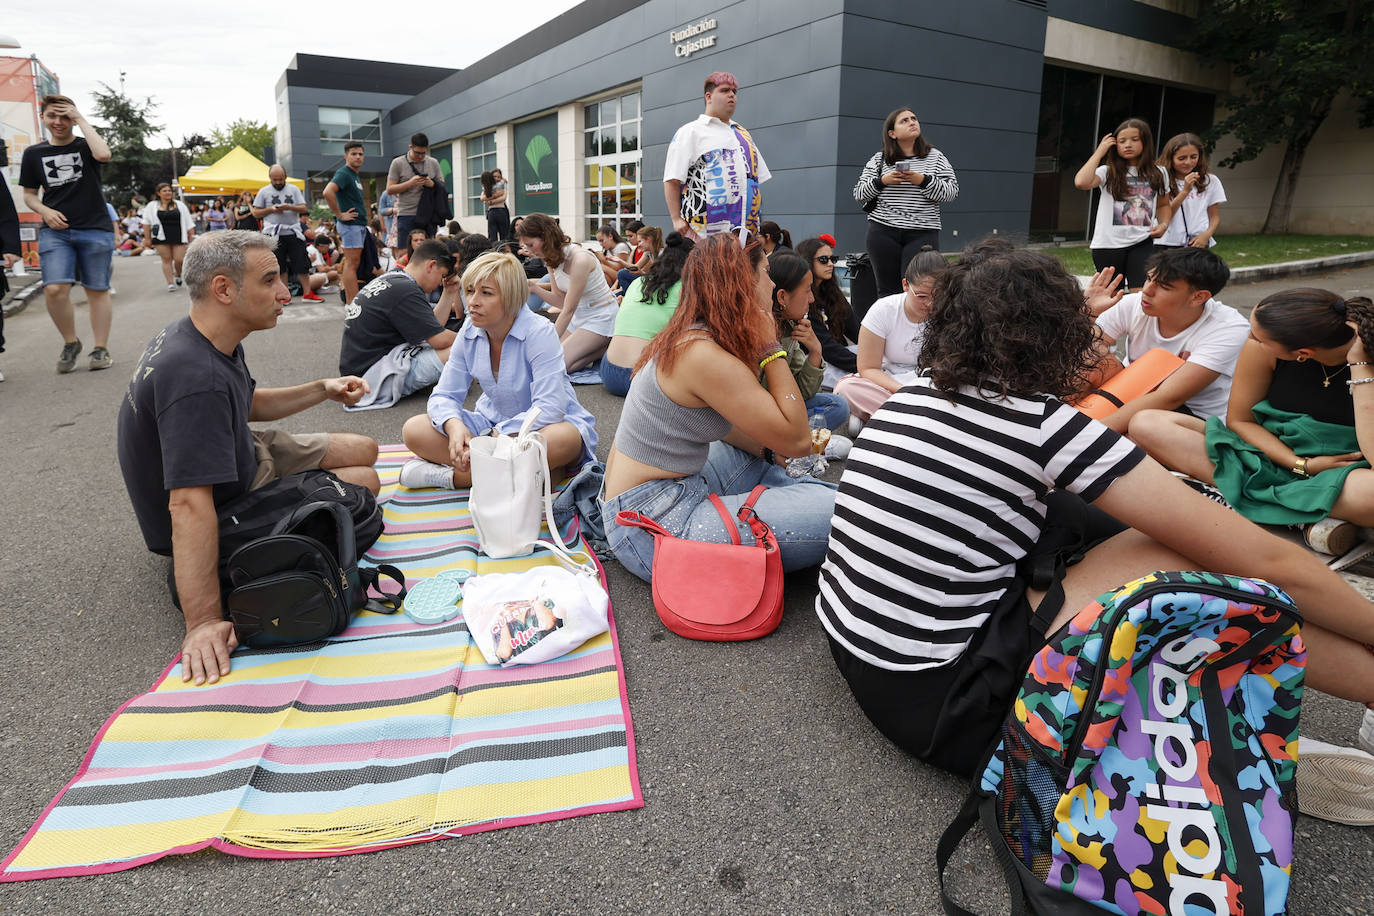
[{"x": 1326, "y": 379}]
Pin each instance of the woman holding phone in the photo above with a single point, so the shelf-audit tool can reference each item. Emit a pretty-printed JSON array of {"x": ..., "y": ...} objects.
[{"x": 901, "y": 189}]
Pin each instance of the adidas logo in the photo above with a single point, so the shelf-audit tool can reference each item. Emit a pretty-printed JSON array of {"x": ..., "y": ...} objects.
[{"x": 1175, "y": 753}]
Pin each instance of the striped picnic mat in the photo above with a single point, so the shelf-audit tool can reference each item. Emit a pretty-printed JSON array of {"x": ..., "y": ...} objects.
[{"x": 388, "y": 734}]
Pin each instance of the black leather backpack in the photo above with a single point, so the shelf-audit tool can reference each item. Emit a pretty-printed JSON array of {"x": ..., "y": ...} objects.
[{"x": 301, "y": 582}]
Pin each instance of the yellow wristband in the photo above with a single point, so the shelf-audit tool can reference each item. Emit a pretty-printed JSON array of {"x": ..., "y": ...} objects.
[{"x": 772, "y": 356}]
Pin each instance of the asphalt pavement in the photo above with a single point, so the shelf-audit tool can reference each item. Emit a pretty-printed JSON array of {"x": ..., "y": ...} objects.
[{"x": 766, "y": 790}]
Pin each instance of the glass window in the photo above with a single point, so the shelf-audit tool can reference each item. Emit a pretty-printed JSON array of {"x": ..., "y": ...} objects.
[
  {"x": 340, "y": 124},
  {"x": 481, "y": 157},
  {"x": 611, "y": 149}
]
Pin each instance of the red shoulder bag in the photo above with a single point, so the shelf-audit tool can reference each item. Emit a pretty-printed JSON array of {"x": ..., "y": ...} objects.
[{"x": 717, "y": 592}]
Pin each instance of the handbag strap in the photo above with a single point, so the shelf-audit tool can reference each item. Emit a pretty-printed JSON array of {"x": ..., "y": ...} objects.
[
  {"x": 631, "y": 519},
  {"x": 527, "y": 438},
  {"x": 747, "y": 515}
]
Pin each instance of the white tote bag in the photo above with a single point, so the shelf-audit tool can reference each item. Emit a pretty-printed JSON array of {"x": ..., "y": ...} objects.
[
  {"x": 511, "y": 494},
  {"x": 533, "y": 616}
]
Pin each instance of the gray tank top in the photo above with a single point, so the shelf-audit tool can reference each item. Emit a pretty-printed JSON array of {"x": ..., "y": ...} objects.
[{"x": 658, "y": 431}]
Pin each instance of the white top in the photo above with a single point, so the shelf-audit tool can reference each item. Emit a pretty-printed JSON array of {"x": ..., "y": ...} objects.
[
  {"x": 1213, "y": 342},
  {"x": 924, "y": 542},
  {"x": 154, "y": 225},
  {"x": 903, "y": 337},
  {"x": 287, "y": 222},
  {"x": 1123, "y": 223},
  {"x": 706, "y": 156},
  {"x": 1190, "y": 220},
  {"x": 597, "y": 308}
]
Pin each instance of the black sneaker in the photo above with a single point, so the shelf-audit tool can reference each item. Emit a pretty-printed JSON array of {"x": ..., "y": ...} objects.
[
  {"x": 178, "y": 281},
  {"x": 67, "y": 361},
  {"x": 101, "y": 359}
]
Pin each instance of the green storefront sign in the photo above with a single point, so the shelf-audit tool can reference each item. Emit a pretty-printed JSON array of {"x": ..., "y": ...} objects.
[{"x": 536, "y": 166}]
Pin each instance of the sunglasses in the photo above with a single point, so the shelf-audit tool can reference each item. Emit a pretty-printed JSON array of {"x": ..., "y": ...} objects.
[{"x": 826, "y": 259}]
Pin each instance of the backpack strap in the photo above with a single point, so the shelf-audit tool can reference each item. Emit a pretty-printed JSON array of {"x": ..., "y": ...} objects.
[
  {"x": 977, "y": 808},
  {"x": 370, "y": 577}
]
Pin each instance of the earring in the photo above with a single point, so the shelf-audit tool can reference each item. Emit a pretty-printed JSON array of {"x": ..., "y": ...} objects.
[{"x": 1302, "y": 358}]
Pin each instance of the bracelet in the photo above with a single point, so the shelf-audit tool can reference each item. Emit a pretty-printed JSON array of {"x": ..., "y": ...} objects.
[
  {"x": 1365, "y": 363},
  {"x": 1300, "y": 467},
  {"x": 769, "y": 455},
  {"x": 768, "y": 359},
  {"x": 1352, "y": 382}
]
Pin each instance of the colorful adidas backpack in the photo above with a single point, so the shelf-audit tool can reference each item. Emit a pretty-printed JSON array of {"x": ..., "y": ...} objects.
[{"x": 1147, "y": 763}]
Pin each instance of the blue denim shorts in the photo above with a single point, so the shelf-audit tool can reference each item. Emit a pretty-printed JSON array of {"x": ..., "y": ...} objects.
[
  {"x": 76, "y": 255},
  {"x": 616, "y": 378},
  {"x": 351, "y": 236},
  {"x": 425, "y": 370}
]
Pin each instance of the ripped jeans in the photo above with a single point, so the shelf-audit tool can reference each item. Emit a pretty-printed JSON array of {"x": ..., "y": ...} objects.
[{"x": 798, "y": 511}]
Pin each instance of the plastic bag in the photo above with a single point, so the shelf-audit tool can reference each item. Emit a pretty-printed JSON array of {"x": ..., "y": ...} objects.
[{"x": 533, "y": 616}]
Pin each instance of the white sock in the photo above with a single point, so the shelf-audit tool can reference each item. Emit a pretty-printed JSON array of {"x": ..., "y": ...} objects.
[{"x": 419, "y": 474}]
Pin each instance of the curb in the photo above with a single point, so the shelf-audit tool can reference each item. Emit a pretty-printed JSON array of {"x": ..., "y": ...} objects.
[
  {"x": 1298, "y": 268},
  {"x": 19, "y": 298}
]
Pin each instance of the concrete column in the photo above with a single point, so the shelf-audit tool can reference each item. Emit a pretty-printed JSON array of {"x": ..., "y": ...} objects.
[{"x": 571, "y": 181}]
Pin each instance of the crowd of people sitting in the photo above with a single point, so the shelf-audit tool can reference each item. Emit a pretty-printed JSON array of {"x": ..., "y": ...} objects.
[{"x": 731, "y": 346}]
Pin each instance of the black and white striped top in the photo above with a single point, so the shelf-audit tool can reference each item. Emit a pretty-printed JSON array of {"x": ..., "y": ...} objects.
[
  {"x": 906, "y": 206},
  {"x": 937, "y": 504}
]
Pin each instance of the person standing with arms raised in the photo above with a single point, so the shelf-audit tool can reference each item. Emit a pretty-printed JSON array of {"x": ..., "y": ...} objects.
[
  {"x": 713, "y": 171},
  {"x": 61, "y": 182}
]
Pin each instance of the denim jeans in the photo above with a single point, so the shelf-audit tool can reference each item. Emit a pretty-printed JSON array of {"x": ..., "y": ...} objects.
[
  {"x": 76, "y": 256},
  {"x": 832, "y": 406},
  {"x": 616, "y": 378},
  {"x": 798, "y": 511}
]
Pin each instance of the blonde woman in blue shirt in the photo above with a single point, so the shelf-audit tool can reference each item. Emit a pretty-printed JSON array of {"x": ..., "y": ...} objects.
[{"x": 517, "y": 360}]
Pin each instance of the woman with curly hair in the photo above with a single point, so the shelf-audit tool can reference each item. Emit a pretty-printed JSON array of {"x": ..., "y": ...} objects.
[
  {"x": 976, "y": 477},
  {"x": 578, "y": 289},
  {"x": 835, "y": 323},
  {"x": 696, "y": 420}
]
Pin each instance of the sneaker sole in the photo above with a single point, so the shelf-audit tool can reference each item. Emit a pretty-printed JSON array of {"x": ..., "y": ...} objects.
[
  {"x": 96, "y": 367},
  {"x": 1336, "y": 787}
]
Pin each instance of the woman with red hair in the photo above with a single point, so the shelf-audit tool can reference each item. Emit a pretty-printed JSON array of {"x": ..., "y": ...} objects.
[{"x": 697, "y": 421}]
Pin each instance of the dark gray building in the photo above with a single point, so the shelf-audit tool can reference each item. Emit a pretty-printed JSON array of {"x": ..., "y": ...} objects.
[{"x": 579, "y": 112}]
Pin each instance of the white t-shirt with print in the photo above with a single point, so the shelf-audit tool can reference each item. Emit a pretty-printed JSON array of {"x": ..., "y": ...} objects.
[
  {"x": 902, "y": 337},
  {"x": 1213, "y": 342},
  {"x": 1190, "y": 220},
  {"x": 1123, "y": 223}
]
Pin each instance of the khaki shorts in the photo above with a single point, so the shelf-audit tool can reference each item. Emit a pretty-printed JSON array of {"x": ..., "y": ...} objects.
[{"x": 281, "y": 454}]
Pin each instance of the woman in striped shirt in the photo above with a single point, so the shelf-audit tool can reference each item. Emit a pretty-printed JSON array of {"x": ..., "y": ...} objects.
[
  {"x": 901, "y": 189},
  {"x": 963, "y": 484}
]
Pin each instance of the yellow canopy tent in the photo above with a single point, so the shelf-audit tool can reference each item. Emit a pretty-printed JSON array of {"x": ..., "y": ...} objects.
[{"x": 237, "y": 170}]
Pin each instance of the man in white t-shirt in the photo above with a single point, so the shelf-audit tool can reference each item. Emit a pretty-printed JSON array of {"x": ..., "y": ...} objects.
[
  {"x": 279, "y": 206},
  {"x": 1176, "y": 311},
  {"x": 713, "y": 170}
]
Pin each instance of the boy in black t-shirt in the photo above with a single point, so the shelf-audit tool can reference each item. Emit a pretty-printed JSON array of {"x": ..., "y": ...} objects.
[{"x": 77, "y": 237}]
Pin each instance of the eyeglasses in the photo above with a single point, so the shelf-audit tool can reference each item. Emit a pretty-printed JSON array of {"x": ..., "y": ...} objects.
[{"x": 826, "y": 259}]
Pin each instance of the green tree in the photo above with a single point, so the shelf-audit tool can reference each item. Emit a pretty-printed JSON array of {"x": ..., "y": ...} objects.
[
  {"x": 253, "y": 136},
  {"x": 127, "y": 126},
  {"x": 1291, "y": 58}
]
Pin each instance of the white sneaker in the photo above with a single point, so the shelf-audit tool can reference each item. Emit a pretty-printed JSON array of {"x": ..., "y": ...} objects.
[
  {"x": 837, "y": 449},
  {"x": 855, "y": 426},
  {"x": 1366, "y": 739},
  {"x": 2, "y": 376},
  {"x": 171, "y": 287},
  {"x": 419, "y": 474},
  {"x": 1335, "y": 783}
]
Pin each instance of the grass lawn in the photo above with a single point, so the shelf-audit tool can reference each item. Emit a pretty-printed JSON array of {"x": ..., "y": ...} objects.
[{"x": 1247, "y": 250}]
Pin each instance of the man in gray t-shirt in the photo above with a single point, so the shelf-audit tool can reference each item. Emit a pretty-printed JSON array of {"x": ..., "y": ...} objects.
[
  {"x": 407, "y": 178},
  {"x": 279, "y": 206}
]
